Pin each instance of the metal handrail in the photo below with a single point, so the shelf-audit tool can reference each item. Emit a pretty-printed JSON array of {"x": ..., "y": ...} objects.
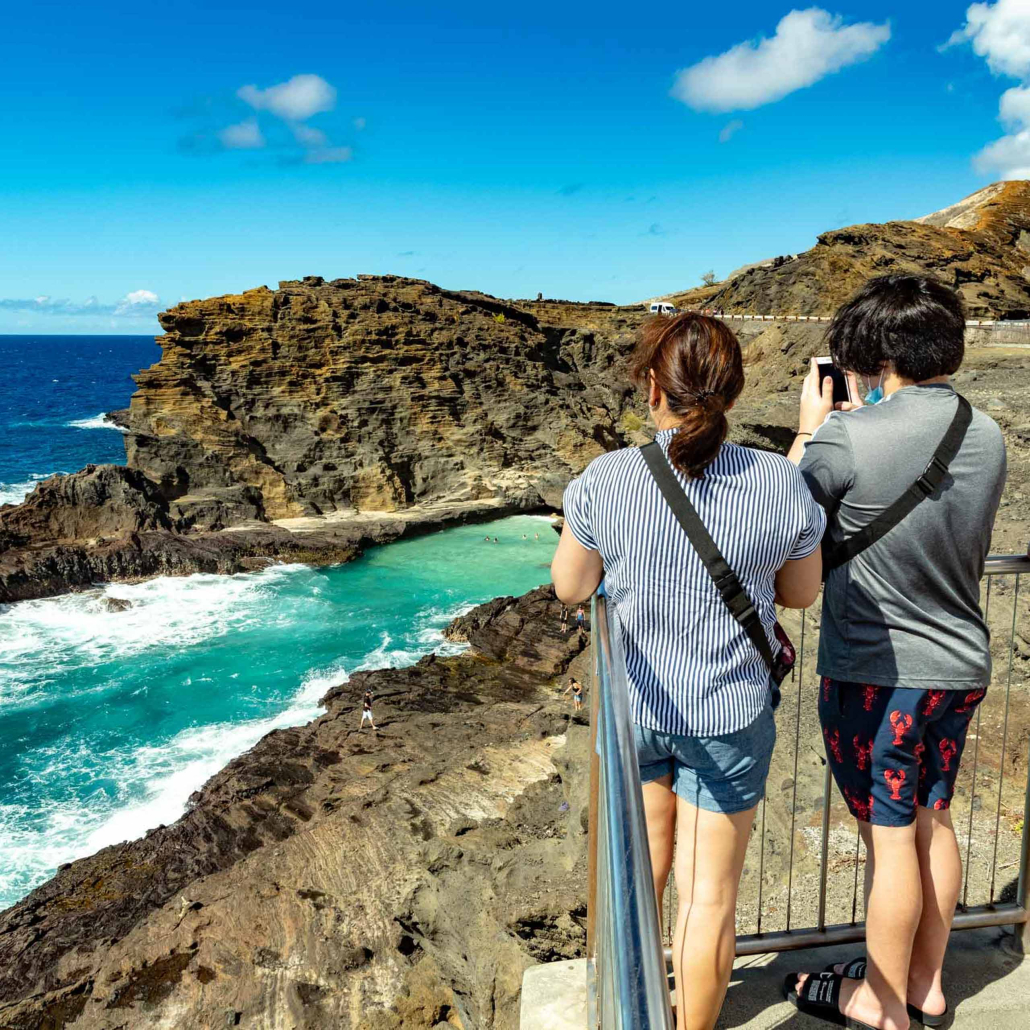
[
  {"x": 623, "y": 920},
  {"x": 629, "y": 985}
]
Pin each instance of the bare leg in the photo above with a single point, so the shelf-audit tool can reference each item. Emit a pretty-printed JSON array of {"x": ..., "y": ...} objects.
[
  {"x": 893, "y": 909},
  {"x": 660, "y": 813},
  {"x": 709, "y": 859},
  {"x": 940, "y": 870}
]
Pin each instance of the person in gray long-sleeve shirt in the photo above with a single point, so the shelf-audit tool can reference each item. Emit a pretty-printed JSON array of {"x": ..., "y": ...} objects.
[{"x": 904, "y": 653}]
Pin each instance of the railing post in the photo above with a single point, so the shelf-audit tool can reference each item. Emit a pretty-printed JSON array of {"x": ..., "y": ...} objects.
[{"x": 595, "y": 773}]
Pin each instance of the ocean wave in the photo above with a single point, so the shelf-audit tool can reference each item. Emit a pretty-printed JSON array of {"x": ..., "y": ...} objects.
[
  {"x": 15, "y": 493},
  {"x": 96, "y": 422},
  {"x": 42, "y": 640},
  {"x": 136, "y": 790}
]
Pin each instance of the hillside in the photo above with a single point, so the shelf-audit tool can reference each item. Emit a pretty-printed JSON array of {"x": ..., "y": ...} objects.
[{"x": 980, "y": 246}]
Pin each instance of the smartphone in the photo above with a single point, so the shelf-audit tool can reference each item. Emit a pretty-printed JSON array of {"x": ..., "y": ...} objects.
[{"x": 841, "y": 393}]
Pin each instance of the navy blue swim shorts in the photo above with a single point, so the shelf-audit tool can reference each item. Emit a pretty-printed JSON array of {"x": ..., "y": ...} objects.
[{"x": 892, "y": 749}]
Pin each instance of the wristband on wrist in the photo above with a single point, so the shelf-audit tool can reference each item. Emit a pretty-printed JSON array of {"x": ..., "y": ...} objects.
[{"x": 799, "y": 433}]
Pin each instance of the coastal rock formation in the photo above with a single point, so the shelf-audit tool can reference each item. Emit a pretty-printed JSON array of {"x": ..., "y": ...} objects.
[
  {"x": 308, "y": 421},
  {"x": 320, "y": 417},
  {"x": 371, "y": 393},
  {"x": 330, "y": 877},
  {"x": 980, "y": 246}
]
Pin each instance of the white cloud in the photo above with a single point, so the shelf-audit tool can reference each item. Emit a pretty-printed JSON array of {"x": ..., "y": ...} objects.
[
  {"x": 730, "y": 129},
  {"x": 1000, "y": 33},
  {"x": 308, "y": 135},
  {"x": 360, "y": 123},
  {"x": 138, "y": 303},
  {"x": 294, "y": 100},
  {"x": 243, "y": 136},
  {"x": 1014, "y": 110},
  {"x": 1009, "y": 156},
  {"x": 136, "y": 299},
  {"x": 329, "y": 155},
  {"x": 808, "y": 45}
]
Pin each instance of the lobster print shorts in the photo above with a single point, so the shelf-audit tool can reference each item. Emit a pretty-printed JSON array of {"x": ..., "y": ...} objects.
[{"x": 893, "y": 748}]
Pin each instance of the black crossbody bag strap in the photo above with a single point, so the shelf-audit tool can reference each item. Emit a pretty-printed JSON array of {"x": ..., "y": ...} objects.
[
  {"x": 723, "y": 576},
  {"x": 925, "y": 486}
]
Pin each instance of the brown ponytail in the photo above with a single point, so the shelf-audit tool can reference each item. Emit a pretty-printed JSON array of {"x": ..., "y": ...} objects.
[{"x": 696, "y": 362}]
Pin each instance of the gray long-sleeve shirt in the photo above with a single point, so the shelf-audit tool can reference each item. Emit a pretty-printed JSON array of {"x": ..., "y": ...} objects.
[{"x": 906, "y": 611}]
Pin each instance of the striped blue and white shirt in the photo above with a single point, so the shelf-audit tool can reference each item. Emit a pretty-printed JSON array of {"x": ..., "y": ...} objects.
[{"x": 692, "y": 668}]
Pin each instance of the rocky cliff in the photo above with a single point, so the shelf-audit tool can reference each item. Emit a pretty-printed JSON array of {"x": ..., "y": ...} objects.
[
  {"x": 368, "y": 393},
  {"x": 319, "y": 417},
  {"x": 332, "y": 877},
  {"x": 980, "y": 246}
]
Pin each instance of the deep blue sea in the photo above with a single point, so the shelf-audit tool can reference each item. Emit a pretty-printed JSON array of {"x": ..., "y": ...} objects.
[
  {"x": 110, "y": 720},
  {"x": 54, "y": 391}
]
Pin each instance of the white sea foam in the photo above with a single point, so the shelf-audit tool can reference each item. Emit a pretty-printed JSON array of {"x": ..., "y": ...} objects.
[
  {"x": 40, "y": 640},
  {"x": 158, "y": 779},
  {"x": 15, "y": 493},
  {"x": 96, "y": 422}
]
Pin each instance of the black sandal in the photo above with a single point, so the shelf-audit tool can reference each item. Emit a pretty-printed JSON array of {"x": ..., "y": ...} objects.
[
  {"x": 855, "y": 970},
  {"x": 820, "y": 997}
]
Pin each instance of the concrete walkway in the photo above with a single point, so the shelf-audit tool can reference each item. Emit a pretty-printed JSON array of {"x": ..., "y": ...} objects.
[{"x": 988, "y": 988}]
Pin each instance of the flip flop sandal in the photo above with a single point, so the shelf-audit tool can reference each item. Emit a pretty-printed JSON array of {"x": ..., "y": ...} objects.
[
  {"x": 855, "y": 970},
  {"x": 820, "y": 997}
]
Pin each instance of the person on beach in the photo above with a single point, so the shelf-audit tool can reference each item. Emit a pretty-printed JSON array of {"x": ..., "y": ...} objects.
[
  {"x": 580, "y": 617},
  {"x": 576, "y": 689},
  {"x": 564, "y": 619},
  {"x": 904, "y": 659},
  {"x": 366, "y": 711},
  {"x": 700, "y": 689}
]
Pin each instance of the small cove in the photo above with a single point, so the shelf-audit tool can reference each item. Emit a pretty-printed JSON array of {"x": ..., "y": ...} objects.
[{"x": 110, "y": 719}]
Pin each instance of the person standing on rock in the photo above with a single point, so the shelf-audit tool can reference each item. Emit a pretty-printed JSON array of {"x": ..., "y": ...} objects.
[
  {"x": 911, "y": 481},
  {"x": 564, "y": 619},
  {"x": 366, "y": 711},
  {"x": 700, "y": 685},
  {"x": 580, "y": 617},
  {"x": 576, "y": 689}
]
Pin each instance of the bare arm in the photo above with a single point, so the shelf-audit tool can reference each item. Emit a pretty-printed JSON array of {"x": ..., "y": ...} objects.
[
  {"x": 575, "y": 571},
  {"x": 798, "y": 582}
]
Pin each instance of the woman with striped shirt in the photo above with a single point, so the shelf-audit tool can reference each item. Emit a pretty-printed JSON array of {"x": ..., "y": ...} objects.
[{"x": 699, "y": 688}]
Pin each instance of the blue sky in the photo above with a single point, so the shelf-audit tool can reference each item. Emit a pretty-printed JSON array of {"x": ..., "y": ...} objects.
[{"x": 588, "y": 151}]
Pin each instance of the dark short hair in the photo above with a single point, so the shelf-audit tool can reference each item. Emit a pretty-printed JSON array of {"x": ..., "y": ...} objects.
[{"x": 915, "y": 323}]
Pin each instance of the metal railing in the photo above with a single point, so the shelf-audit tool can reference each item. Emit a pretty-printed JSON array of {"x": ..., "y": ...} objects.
[
  {"x": 628, "y": 981},
  {"x": 622, "y": 921}
]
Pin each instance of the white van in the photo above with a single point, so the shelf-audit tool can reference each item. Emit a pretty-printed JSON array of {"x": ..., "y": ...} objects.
[{"x": 660, "y": 307}]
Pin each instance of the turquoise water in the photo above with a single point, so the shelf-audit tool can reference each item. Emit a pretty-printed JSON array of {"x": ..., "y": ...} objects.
[{"x": 109, "y": 720}]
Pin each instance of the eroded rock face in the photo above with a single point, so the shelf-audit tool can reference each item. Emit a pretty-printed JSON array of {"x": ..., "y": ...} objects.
[
  {"x": 978, "y": 246},
  {"x": 333, "y": 878},
  {"x": 371, "y": 393}
]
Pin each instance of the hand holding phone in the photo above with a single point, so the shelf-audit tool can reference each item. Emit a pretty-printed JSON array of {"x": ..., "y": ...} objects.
[{"x": 841, "y": 382}]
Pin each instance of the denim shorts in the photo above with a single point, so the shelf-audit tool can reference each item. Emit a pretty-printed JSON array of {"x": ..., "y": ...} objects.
[{"x": 718, "y": 774}]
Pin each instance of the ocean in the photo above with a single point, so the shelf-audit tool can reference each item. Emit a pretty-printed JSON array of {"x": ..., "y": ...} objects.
[
  {"x": 109, "y": 720},
  {"x": 54, "y": 391}
]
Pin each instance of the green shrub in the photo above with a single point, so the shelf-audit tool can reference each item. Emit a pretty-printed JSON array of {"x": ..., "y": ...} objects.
[{"x": 499, "y": 317}]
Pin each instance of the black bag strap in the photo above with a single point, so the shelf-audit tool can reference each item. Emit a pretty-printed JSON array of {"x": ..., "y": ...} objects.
[
  {"x": 725, "y": 579},
  {"x": 925, "y": 486}
]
